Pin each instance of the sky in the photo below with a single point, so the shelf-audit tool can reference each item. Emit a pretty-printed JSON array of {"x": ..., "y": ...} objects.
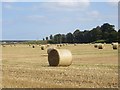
[{"x": 36, "y": 20}]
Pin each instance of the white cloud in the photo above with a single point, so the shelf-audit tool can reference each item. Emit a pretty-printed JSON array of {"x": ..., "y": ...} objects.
[
  {"x": 113, "y": 1},
  {"x": 73, "y": 4},
  {"x": 68, "y": 5}
]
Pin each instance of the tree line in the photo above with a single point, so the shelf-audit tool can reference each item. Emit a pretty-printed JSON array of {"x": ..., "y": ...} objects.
[{"x": 104, "y": 33}]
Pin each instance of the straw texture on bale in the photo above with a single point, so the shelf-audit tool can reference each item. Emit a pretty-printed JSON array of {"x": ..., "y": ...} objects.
[
  {"x": 60, "y": 57},
  {"x": 43, "y": 47},
  {"x": 49, "y": 49},
  {"x": 100, "y": 46}
]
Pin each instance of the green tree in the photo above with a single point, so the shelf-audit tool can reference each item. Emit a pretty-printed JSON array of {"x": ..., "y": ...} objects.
[
  {"x": 108, "y": 31},
  {"x": 76, "y": 36},
  {"x": 119, "y": 35},
  {"x": 69, "y": 38},
  {"x": 95, "y": 34},
  {"x": 51, "y": 37},
  {"x": 46, "y": 38},
  {"x": 63, "y": 38},
  {"x": 85, "y": 38},
  {"x": 57, "y": 38},
  {"x": 43, "y": 39}
]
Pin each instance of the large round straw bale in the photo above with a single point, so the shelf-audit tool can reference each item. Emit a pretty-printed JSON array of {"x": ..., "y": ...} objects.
[
  {"x": 43, "y": 47},
  {"x": 60, "y": 57},
  {"x": 115, "y": 45},
  {"x": 100, "y": 46}
]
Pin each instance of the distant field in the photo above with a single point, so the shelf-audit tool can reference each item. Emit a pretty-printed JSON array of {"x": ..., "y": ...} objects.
[{"x": 27, "y": 67}]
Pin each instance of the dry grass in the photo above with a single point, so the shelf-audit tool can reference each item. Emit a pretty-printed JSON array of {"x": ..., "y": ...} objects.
[{"x": 26, "y": 67}]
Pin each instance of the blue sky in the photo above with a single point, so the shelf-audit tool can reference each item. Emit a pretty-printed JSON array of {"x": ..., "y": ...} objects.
[{"x": 36, "y": 20}]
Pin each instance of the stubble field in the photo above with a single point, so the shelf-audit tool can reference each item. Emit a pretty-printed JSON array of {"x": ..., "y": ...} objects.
[{"x": 27, "y": 67}]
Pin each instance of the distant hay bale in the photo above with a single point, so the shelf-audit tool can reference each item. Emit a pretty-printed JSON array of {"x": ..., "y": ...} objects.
[
  {"x": 33, "y": 46},
  {"x": 58, "y": 45},
  {"x": 75, "y": 44},
  {"x": 100, "y": 46},
  {"x": 48, "y": 45},
  {"x": 61, "y": 45},
  {"x": 43, "y": 47},
  {"x": 60, "y": 57},
  {"x": 3, "y": 45},
  {"x": 11, "y": 45},
  {"x": 96, "y": 45},
  {"x": 66, "y": 44},
  {"x": 115, "y": 45}
]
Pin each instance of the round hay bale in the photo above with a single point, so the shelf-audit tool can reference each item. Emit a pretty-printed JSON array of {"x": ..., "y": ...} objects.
[
  {"x": 100, "y": 46},
  {"x": 43, "y": 47},
  {"x": 3, "y": 45},
  {"x": 60, "y": 57},
  {"x": 58, "y": 45},
  {"x": 75, "y": 44},
  {"x": 96, "y": 45},
  {"x": 48, "y": 45},
  {"x": 61, "y": 45},
  {"x": 33, "y": 46},
  {"x": 115, "y": 46}
]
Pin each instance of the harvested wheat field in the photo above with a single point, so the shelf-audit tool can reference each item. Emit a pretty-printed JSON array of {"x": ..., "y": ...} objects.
[{"x": 27, "y": 67}]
